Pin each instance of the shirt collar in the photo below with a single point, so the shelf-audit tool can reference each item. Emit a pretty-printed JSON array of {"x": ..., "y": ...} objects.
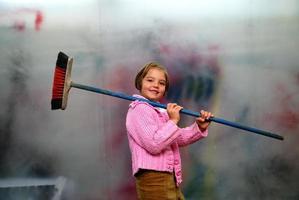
[{"x": 134, "y": 103}]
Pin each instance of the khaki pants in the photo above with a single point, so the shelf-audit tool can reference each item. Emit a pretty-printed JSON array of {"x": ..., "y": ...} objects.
[{"x": 155, "y": 185}]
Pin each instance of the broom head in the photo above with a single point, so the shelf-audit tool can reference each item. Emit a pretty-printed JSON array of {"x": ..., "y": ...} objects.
[{"x": 61, "y": 82}]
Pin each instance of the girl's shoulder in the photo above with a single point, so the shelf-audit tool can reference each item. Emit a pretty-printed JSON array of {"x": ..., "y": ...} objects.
[
  {"x": 144, "y": 109},
  {"x": 143, "y": 106},
  {"x": 139, "y": 102}
]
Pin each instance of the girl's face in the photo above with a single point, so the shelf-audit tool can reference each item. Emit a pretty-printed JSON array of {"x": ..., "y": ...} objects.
[{"x": 153, "y": 85}]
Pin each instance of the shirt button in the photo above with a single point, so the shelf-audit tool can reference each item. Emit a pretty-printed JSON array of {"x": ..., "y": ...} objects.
[{"x": 176, "y": 162}]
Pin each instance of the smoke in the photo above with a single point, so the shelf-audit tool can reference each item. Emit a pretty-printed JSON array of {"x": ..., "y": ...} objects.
[{"x": 245, "y": 165}]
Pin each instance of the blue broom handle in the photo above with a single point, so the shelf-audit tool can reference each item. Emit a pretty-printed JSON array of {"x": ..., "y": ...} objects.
[{"x": 183, "y": 111}]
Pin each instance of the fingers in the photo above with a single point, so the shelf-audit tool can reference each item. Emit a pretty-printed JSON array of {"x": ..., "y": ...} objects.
[
  {"x": 205, "y": 116},
  {"x": 174, "y": 107},
  {"x": 173, "y": 111}
]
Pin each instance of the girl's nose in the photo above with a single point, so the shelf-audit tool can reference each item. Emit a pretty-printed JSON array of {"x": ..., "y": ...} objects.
[{"x": 155, "y": 84}]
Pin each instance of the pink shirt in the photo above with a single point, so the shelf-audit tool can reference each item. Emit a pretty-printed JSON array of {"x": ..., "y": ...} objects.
[{"x": 154, "y": 140}]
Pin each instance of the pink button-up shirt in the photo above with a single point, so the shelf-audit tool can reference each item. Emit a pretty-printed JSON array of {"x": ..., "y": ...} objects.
[{"x": 154, "y": 140}]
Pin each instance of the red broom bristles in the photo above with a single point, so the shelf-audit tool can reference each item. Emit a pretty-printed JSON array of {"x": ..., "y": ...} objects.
[{"x": 58, "y": 84}]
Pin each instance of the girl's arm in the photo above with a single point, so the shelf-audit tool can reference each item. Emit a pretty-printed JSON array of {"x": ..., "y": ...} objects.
[
  {"x": 190, "y": 135},
  {"x": 196, "y": 131},
  {"x": 148, "y": 130}
]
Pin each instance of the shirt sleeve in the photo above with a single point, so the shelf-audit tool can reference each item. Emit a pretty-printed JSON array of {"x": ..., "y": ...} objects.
[
  {"x": 144, "y": 126},
  {"x": 190, "y": 135}
]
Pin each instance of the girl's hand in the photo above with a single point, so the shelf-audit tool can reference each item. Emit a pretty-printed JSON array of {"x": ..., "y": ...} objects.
[
  {"x": 173, "y": 111},
  {"x": 203, "y": 121}
]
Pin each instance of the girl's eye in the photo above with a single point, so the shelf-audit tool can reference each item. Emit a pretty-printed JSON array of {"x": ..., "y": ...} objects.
[{"x": 162, "y": 83}]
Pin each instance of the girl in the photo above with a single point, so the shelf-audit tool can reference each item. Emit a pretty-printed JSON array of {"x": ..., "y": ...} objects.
[{"x": 154, "y": 137}]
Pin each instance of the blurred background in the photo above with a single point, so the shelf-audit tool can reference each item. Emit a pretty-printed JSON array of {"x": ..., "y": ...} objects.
[{"x": 236, "y": 58}]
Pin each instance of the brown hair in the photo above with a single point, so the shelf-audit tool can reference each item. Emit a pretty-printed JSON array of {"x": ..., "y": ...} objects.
[{"x": 142, "y": 73}]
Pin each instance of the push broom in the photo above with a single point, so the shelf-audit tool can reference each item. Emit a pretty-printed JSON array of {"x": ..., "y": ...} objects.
[{"x": 62, "y": 84}]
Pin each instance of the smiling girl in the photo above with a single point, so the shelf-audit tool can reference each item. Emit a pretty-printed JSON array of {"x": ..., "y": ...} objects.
[{"x": 154, "y": 137}]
